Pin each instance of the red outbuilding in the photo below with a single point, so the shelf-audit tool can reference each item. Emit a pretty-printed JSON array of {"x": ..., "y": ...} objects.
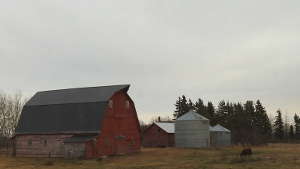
[
  {"x": 80, "y": 122},
  {"x": 159, "y": 134}
]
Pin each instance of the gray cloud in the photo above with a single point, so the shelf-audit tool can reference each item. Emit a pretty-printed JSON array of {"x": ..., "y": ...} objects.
[{"x": 232, "y": 50}]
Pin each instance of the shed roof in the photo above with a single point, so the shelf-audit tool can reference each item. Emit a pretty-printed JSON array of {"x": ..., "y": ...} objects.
[
  {"x": 168, "y": 127},
  {"x": 78, "y": 110},
  {"x": 219, "y": 128},
  {"x": 191, "y": 115}
]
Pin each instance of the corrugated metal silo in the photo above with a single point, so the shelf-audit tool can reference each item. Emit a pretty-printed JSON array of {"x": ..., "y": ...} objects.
[
  {"x": 219, "y": 136},
  {"x": 192, "y": 131}
]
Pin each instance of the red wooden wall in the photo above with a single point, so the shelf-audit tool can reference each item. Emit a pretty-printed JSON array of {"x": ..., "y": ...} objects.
[
  {"x": 120, "y": 130},
  {"x": 154, "y": 136}
]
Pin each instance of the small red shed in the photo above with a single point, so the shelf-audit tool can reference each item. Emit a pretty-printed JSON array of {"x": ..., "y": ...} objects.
[
  {"x": 79, "y": 122},
  {"x": 159, "y": 134}
]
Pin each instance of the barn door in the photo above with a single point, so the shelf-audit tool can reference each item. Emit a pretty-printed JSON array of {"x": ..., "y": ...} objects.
[
  {"x": 122, "y": 146},
  {"x": 122, "y": 139}
]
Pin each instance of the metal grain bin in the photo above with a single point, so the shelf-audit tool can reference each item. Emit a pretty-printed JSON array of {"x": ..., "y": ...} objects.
[
  {"x": 192, "y": 131},
  {"x": 219, "y": 136}
]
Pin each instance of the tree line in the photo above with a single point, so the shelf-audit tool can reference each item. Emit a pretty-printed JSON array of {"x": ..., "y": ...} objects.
[{"x": 248, "y": 122}]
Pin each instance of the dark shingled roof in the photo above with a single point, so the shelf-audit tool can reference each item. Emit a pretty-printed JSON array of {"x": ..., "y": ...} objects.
[
  {"x": 78, "y": 110},
  {"x": 75, "y": 95}
]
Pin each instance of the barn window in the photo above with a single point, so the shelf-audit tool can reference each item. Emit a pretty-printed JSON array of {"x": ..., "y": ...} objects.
[
  {"x": 45, "y": 143},
  {"x": 110, "y": 104},
  {"x": 127, "y": 104},
  {"x": 29, "y": 142}
]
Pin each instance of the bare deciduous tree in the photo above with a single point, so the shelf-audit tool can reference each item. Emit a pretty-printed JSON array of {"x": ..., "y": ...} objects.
[{"x": 10, "y": 111}]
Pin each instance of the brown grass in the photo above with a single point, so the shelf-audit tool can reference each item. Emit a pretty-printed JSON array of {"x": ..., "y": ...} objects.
[{"x": 273, "y": 156}]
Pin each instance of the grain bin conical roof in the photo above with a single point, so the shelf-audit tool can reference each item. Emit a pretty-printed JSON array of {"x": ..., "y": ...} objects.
[
  {"x": 218, "y": 127},
  {"x": 191, "y": 115}
]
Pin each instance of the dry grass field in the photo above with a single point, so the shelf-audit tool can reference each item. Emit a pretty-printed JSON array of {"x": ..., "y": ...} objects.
[{"x": 273, "y": 156}]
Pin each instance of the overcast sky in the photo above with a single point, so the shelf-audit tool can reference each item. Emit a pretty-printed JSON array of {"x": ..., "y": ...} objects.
[{"x": 232, "y": 50}]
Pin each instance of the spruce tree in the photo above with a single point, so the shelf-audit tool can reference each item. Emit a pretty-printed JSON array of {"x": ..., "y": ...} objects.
[
  {"x": 201, "y": 108},
  {"x": 249, "y": 114},
  {"x": 178, "y": 108},
  {"x": 250, "y": 122},
  {"x": 291, "y": 132},
  {"x": 263, "y": 122},
  {"x": 221, "y": 114},
  {"x": 181, "y": 107},
  {"x": 229, "y": 115},
  {"x": 278, "y": 126},
  {"x": 210, "y": 111},
  {"x": 297, "y": 125},
  {"x": 191, "y": 105},
  {"x": 238, "y": 130},
  {"x": 185, "y": 105}
]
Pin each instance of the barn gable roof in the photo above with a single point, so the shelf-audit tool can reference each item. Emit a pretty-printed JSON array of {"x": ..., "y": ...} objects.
[
  {"x": 168, "y": 127},
  {"x": 191, "y": 115},
  {"x": 78, "y": 110}
]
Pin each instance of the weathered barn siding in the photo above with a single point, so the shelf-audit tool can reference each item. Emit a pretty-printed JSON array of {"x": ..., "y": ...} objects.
[
  {"x": 40, "y": 145},
  {"x": 120, "y": 131},
  {"x": 154, "y": 136},
  {"x": 75, "y": 150}
]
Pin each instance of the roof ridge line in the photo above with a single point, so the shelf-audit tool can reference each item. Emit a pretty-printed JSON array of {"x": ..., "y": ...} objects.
[
  {"x": 82, "y": 88},
  {"x": 68, "y": 103}
]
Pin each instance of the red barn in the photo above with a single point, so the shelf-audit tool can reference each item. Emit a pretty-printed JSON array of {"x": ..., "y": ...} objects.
[
  {"x": 80, "y": 122},
  {"x": 159, "y": 134}
]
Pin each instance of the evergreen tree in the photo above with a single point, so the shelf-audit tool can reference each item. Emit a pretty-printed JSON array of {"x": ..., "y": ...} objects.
[
  {"x": 238, "y": 130},
  {"x": 181, "y": 107},
  {"x": 210, "y": 111},
  {"x": 190, "y": 105},
  {"x": 297, "y": 125},
  {"x": 229, "y": 115},
  {"x": 249, "y": 114},
  {"x": 263, "y": 122},
  {"x": 296, "y": 119},
  {"x": 291, "y": 133},
  {"x": 250, "y": 123},
  {"x": 221, "y": 114},
  {"x": 178, "y": 108},
  {"x": 278, "y": 126},
  {"x": 185, "y": 106},
  {"x": 200, "y": 108}
]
